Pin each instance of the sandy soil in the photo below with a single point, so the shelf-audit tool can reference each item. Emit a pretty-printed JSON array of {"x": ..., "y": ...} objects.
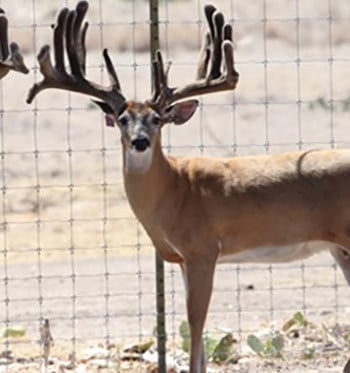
[{"x": 71, "y": 248}]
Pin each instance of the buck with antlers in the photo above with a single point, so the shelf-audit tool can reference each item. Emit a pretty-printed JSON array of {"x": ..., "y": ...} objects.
[{"x": 201, "y": 211}]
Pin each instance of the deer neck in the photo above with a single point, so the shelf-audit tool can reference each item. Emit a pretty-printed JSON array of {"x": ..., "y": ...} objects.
[{"x": 147, "y": 189}]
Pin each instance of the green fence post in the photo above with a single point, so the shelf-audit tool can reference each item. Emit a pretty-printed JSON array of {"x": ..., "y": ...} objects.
[{"x": 161, "y": 329}]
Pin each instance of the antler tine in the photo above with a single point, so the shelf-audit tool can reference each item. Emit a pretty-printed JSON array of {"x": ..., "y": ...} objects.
[
  {"x": 155, "y": 81},
  {"x": 82, "y": 49},
  {"x": 232, "y": 74},
  {"x": 72, "y": 44},
  {"x": 209, "y": 10},
  {"x": 228, "y": 32},
  {"x": 58, "y": 38},
  {"x": 79, "y": 34},
  {"x": 4, "y": 50},
  {"x": 71, "y": 33},
  {"x": 161, "y": 91},
  {"x": 217, "y": 21},
  {"x": 111, "y": 71},
  {"x": 204, "y": 57},
  {"x": 163, "y": 79}
]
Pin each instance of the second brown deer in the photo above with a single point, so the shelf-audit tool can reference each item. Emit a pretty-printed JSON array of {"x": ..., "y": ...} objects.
[{"x": 202, "y": 211}]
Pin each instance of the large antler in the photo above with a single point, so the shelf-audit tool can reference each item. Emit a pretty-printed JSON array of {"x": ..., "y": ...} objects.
[
  {"x": 69, "y": 34},
  {"x": 215, "y": 71},
  {"x": 10, "y": 58}
]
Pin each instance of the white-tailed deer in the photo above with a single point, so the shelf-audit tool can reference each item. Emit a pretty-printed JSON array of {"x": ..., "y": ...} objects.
[
  {"x": 202, "y": 211},
  {"x": 10, "y": 58}
]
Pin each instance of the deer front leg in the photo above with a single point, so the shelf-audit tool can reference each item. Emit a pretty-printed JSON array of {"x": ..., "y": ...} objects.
[{"x": 198, "y": 277}]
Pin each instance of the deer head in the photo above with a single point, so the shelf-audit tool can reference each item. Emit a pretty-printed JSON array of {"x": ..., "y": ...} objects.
[{"x": 140, "y": 123}]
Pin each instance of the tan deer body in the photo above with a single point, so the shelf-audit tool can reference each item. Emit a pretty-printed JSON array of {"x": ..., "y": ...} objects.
[
  {"x": 200, "y": 211},
  {"x": 261, "y": 203}
]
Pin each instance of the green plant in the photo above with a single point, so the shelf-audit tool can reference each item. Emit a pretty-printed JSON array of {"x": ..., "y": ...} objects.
[
  {"x": 269, "y": 343},
  {"x": 184, "y": 330},
  {"x": 297, "y": 320},
  {"x": 338, "y": 105},
  {"x": 218, "y": 351},
  {"x": 13, "y": 331},
  {"x": 223, "y": 349}
]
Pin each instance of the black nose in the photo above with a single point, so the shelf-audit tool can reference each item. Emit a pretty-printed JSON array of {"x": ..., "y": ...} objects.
[{"x": 140, "y": 144}]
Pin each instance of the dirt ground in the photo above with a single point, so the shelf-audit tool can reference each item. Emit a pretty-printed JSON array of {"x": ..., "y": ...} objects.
[{"x": 72, "y": 251}]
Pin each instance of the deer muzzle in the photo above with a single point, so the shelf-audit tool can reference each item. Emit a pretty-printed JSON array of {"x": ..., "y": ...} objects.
[{"x": 140, "y": 144}]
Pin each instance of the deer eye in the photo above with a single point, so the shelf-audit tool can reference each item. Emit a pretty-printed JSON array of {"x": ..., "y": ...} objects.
[
  {"x": 124, "y": 120},
  {"x": 156, "y": 120}
]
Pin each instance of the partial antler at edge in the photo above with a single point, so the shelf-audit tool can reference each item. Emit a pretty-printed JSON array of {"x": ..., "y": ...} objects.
[{"x": 10, "y": 56}]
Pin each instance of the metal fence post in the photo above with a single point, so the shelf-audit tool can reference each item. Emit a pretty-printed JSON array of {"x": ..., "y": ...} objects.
[{"x": 160, "y": 302}]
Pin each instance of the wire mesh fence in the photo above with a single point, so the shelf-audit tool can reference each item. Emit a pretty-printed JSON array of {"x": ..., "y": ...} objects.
[{"x": 72, "y": 251}]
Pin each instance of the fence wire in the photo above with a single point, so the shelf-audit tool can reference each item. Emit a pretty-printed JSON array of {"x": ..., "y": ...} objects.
[{"x": 73, "y": 253}]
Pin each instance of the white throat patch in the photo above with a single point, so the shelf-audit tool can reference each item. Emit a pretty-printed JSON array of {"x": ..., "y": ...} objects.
[{"x": 138, "y": 162}]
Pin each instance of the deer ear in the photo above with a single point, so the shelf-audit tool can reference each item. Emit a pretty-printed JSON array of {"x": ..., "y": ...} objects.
[
  {"x": 109, "y": 115},
  {"x": 180, "y": 112},
  {"x": 103, "y": 106}
]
